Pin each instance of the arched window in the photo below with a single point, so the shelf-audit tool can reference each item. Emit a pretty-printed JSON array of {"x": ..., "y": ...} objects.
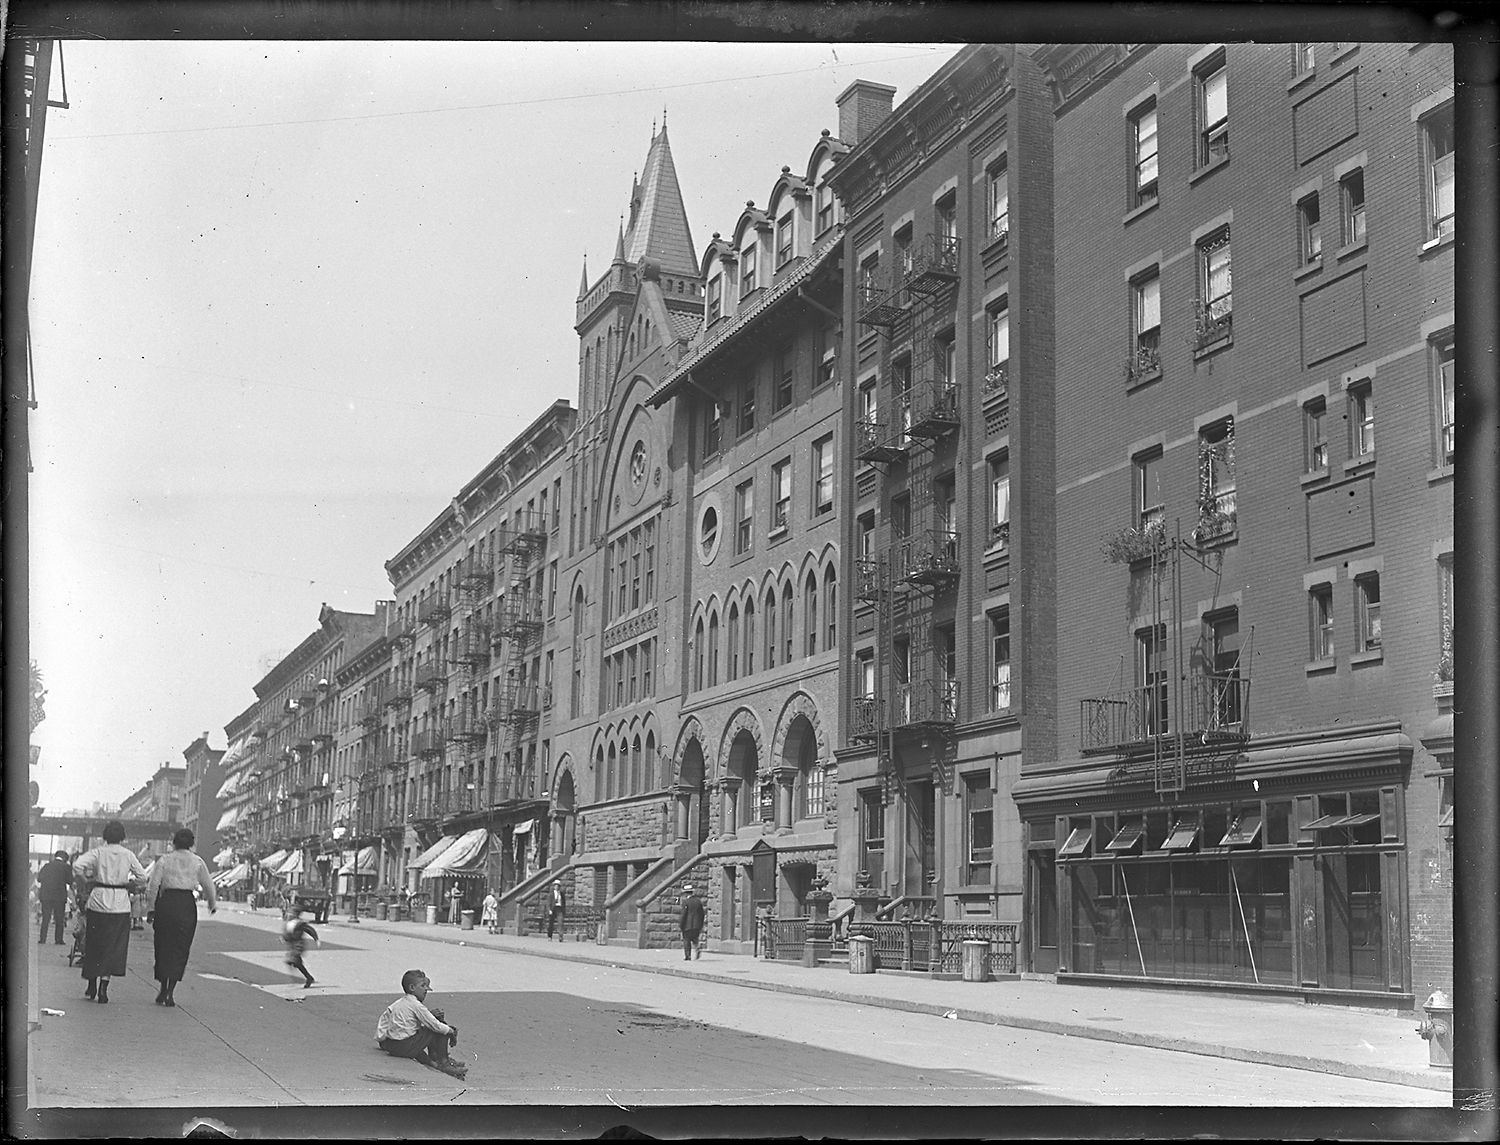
[
  {"x": 770, "y": 628},
  {"x": 599, "y": 776},
  {"x": 713, "y": 649},
  {"x": 662, "y": 780},
  {"x": 810, "y": 613},
  {"x": 732, "y": 670},
  {"x": 698, "y": 657},
  {"x": 749, "y": 637},
  {"x": 611, "y": 774},
  {"x": 635, "y": 766},
  {"x": 831, "y": 607},
  {"x": 788, "y": 633}
]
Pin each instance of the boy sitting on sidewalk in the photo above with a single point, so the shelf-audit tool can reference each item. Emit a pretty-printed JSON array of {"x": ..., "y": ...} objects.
[{"x": 408, "y": 1029}]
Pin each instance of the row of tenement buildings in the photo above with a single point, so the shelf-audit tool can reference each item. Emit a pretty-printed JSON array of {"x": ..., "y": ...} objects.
[{"x": 995, "y": 515}]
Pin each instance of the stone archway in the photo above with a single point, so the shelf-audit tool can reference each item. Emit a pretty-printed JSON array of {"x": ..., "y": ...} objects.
[
  {"x": 565, "y": 815},
  {"x": 690, "y": 788}
]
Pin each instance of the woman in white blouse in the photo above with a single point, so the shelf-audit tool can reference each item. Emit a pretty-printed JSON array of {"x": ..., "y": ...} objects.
[
  {"x": 173, "y": 912},
  {"x": 106, "y": 875}
]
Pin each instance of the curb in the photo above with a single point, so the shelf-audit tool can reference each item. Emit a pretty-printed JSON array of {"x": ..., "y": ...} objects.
[{"x": 1442, "y": 1083}]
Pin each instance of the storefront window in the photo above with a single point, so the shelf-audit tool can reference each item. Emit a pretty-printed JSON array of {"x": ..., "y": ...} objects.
[{"x": 1205, "y": 893}]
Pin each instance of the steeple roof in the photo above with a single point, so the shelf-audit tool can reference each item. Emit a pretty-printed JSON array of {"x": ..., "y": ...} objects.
[{"x": 658, "y": 220}]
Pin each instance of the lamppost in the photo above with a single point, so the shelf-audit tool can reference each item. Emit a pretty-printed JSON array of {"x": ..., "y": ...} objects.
[{"x": 340, "y": 833}]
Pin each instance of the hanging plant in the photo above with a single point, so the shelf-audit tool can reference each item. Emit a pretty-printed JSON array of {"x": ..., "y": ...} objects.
[{"x": 1131, "y": 544}]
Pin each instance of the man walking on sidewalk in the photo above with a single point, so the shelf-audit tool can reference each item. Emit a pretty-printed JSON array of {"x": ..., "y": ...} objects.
[
  {"x": 690, "y": 922},
  {"x": 53, "y": 880},
  {"x": 558, "y": 910}
]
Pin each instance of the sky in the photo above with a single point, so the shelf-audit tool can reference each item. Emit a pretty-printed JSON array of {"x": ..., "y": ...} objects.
[{"x": 287, "y": 298}]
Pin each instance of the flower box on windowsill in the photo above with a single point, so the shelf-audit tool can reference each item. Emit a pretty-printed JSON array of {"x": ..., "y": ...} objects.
[
  {"x": 1213, "y": 334},
  {"x": 1143, "y": 366},
  {"x": 1442, "y": 690},
  {"x": 1216, "y": 527}
]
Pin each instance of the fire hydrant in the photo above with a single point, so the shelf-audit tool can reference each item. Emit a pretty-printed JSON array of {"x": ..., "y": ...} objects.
[{"x": 1437, "y": 1030}]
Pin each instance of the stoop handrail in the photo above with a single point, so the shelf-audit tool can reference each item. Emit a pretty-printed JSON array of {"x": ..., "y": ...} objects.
[
  {"x": 644, "y": 903},
  {"x": 613, "y": 904}
]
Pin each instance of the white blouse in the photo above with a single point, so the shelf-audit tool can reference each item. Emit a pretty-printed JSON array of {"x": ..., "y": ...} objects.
[
  {"x": 111, "y": 866},
  {"x": 180, "y": 871}
]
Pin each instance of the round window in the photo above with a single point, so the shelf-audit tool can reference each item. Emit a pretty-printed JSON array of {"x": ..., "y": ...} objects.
[
  {"x": 638, "y": 464},
  {"x": 708, "y": 533}
]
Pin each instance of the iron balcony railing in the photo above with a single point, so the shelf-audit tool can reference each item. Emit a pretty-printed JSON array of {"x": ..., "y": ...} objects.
[
  {"x": 864, "y": 719},
  {"x": 935, "y": 266},
  {"x": 519, "y": 619},
  {"x": 1218, "y": 708},
  {"x": 473, "y": 645},
  {"x": 434, "y": 611},
  {"x": 467, "y": 725},
  {"x": 476, "y": 571},
  {"x": 431, "y": 675},
  {"x": 930, "y": 557},
  {"x": 925, "y": 702},
  {"x": 934, "y": 408},
  {"x": 430, "y": 741},
  {"x": 1217, "y": 516}
]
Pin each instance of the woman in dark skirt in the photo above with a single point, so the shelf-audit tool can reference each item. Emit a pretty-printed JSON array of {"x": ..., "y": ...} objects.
[
  {"x": 173, "y": 912},
  {"x": 105, "y": 876}
]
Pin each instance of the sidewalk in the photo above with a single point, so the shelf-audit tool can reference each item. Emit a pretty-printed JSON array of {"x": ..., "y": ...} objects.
[{"x": 1373, "y": 1045}]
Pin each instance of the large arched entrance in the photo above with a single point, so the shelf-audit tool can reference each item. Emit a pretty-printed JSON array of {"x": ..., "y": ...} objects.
[
  {"x": 799, "y": 795},
  {"x": 692, "y": 806},
  {"x": 564, "y": 813}
]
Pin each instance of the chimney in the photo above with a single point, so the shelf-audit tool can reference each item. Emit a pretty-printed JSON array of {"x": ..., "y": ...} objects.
[{"x": 863, "y": 107}]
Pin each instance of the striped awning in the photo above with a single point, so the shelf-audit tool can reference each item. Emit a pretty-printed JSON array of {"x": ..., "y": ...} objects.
[
  {"x": 228, "y": 819},
  {"x": 432, "y": 853},
  {"x": 366, "y": 859},
  {"x": 273, "y": 860},
  {"x": 462, "y": 857},
  {"x": 224, "y": 857},
  {"x": 292, "y": 866}
]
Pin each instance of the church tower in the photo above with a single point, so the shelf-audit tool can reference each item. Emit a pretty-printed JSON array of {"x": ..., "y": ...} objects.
[{"x": 653, "y": 243}]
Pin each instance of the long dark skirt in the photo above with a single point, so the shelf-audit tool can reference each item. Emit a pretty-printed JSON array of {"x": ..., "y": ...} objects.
[
  {"x": 106, "y": 943},
  {"x": 175, "y": 923}
]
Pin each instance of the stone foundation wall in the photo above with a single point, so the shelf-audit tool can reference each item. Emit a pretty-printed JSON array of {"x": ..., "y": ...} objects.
[{"x": 616, "y": 827}]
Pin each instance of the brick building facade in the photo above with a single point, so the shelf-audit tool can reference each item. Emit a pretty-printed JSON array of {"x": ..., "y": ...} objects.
[{"x": 1253, "y": 277}]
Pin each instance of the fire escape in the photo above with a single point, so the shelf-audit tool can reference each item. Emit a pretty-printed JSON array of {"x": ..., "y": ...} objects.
[
  {"x": 914, "y": 687},
  {"x": 470, "y": 655},
  {"x": 1189, "y": 714},
  {"x": 516, "y": 712}
]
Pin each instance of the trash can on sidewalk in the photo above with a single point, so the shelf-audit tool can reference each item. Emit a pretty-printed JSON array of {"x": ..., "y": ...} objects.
[
  {"x": 975, "y": 969},
  {"x": 1437, "y": 1030},
  {"x": 432, "y": 916},
  {"x": 466, "y": 920},
  {"x": 861, "y": 954},
  {"x": 382, "y": 912}
]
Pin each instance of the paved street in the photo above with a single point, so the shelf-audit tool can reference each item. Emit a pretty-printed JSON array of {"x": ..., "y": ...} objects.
[{"x": 547, "y": 1031}]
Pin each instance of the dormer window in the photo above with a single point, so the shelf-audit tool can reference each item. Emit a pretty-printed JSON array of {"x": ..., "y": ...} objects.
[
  {"x": 715, "y": 298},
  {"x": 784, "y": 240},
  {"x": 747, "y": 270},
  {"x": 824, "y": 202}
]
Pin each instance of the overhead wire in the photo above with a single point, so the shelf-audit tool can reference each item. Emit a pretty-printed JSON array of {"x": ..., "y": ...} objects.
[{"x": 487, "y": 106}]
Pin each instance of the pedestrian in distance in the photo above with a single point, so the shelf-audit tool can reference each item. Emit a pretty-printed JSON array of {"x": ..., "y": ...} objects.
[
  {"x": 491, "y": 916},
  {"x": 52, "y": 883},
  {"x": 172, "y": 910},
  {"x": 455, "y": 903},
  {"x": 690, "y": 922},
  {"x": 408, "y": 1029},
  {"x": 295, "y": 932},
  {"x": 558, "y": 911},
  {"x": 107, "y": 875}
]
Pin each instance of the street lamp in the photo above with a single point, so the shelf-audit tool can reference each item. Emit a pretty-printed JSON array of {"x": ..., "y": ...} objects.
[{"x": 340, "y": 832}]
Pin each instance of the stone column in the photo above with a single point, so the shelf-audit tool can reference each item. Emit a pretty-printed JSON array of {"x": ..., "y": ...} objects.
[
  {"x": 785, "y": 779},
  {"x": 683, "y": 795},
  {"x": 729, "y": 824}
]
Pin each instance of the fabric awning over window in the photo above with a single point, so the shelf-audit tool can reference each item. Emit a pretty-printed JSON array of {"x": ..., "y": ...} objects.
[
  {"x": 523, "y": 828},
  {"x": 224, "y": 857},
  {"x": 292, "y": 866},
  {"x": 229, "y": 818},
  {"x": 273, "y": 860},
  {"x": 365, "y": 859},
  {"x": 1328, "y": 822},
  {"x": 431, "y": 853},
  {"x": 464, "y": 857},
  {"x": 1077, "y": 844}
]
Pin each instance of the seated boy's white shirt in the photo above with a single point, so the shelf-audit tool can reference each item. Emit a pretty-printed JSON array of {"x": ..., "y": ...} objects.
[{"x": 403, "y": 1017}]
